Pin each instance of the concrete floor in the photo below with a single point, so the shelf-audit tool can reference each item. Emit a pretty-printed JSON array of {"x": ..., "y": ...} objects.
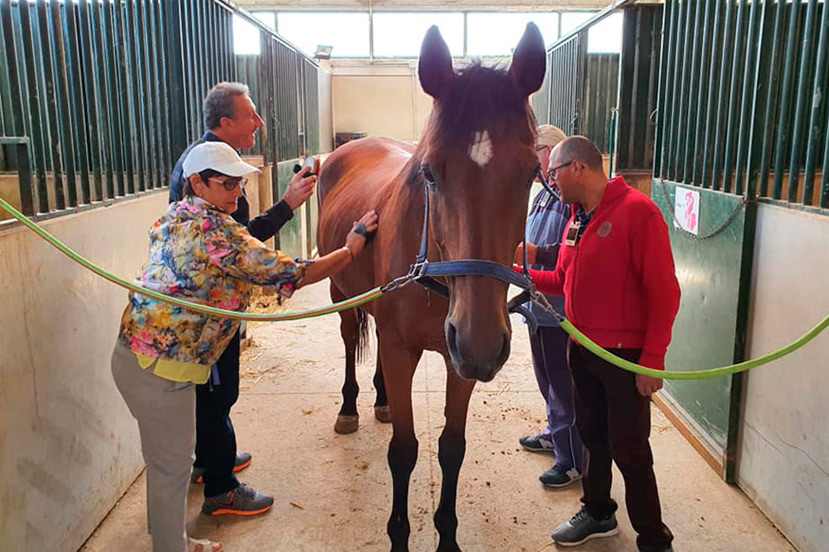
[{"x": 333, "y": 492}]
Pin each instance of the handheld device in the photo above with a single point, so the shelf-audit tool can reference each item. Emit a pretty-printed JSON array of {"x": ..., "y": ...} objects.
[{"x": 309, "y": 162}]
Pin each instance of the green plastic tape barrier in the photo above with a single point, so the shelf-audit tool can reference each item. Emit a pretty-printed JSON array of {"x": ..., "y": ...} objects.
[
  {"x": 375, "y": 293},
  {"x": 358, "y": 300}
]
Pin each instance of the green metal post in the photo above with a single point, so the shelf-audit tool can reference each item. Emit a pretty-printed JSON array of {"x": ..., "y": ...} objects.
[
  {"x": 719, "y": 154},
  {"x": 784, "y": 102},
  {"x": 665, "y": 92},
  {"x": 77, "y": 99},
  {"x": 36, "y": 125},
  {"x": 18, "y": 125},
  {"x": 137, "y": 96},
  {"x": 91, "y": 104},
  {"x": 113, "y": 105},
  {"x": 736, "y": 83},
  {"x": 147, "y": 100},
  {"x": 125, "y": 93},
  {"x": 701, "y": 114},
  {"x": 801, "y": 100},
  {"x": 164, "y": 77},
  {"x": 51, "y": 104},
  {"x": 818, "y": 120},
  {"x": 689, "y": 128},
  {"x": 749, "y": 94},
  {"x": 102, "y": 97},
  {"x": 175, "y": 45},
  {"x": 759, "y": 97},
  {"x": 614, "y": 113},
  {"x": 62, "y": 92},
  {"x": 675, "y": 92},
  {"x": 711, "y": 110},
  {"x": 771, "y": 105},
  {"x": 684, "y": 94}
]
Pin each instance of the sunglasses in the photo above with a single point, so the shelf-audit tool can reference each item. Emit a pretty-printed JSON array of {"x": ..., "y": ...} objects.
[
  {"x": 551, "y": 172},
  {"x": 229, "y": 183}
]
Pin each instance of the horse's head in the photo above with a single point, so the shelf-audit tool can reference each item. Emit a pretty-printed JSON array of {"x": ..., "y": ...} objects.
[{"x": 479, "y": 150}]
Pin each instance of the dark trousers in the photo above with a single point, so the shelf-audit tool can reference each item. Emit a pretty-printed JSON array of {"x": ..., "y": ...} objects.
[
  {"x": 215, "y": 439},
  {"x": 549, "y": 351},
  {"x": 614, "y": 422}
]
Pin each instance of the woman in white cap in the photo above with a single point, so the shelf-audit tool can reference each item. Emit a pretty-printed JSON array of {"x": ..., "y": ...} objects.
[{"x": 199, "y": 253}]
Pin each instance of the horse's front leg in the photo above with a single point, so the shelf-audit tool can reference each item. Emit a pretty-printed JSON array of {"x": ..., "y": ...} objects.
[
  {"x": 452, "y": 446},
  {"x": 398, "y": 368}
]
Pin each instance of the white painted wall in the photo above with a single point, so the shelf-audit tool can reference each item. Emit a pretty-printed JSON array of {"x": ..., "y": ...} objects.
[
  {"x": 68, "y": 445},
  {"x": 325, "y": 110},
  {"x": 784, "y": 452},
  {"x": 381, "y": 98}
]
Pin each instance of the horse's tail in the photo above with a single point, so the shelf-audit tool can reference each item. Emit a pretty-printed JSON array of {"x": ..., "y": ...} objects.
[{"x": 362, "y": 334}]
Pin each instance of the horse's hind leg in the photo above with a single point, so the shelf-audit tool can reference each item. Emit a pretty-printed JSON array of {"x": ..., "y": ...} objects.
[
  {"x": 399, "y": 365},
  {"x": 381, "y": 404},
  {"x": 348, "y": 418},
  {"x": 452, "y": 446}
]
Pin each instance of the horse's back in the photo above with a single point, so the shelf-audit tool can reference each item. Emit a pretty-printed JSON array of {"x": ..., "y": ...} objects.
[
  {"x": 353, "y": 180},
  {"x": 372, "y": 161}
]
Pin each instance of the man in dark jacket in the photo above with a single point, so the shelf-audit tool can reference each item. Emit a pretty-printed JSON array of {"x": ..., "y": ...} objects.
[{"x": 231, "y": 117}]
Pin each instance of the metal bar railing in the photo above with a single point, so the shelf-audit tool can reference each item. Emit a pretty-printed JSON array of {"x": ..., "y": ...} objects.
[{"x": 818, "y": 125}]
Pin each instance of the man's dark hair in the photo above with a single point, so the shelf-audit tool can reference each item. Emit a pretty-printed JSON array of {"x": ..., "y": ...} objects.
[
  {"x": 579, "y": 148},
  {"x": 219, "y": 102}
]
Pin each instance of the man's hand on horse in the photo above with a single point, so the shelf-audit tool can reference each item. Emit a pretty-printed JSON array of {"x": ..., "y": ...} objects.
[
  {"x": 361, "y": 232},
  {"x": 301, "y": 186},
  {"x": 532, "y": 249}
]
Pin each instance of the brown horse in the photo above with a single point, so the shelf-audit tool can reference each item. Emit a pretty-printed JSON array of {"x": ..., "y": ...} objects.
[{"x": 478, "y": 151}]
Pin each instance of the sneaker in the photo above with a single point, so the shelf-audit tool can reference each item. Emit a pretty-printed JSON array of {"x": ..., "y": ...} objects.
[
  {"x": 243, "y": 460},
  {"x": 583, "y": 527},
  {"x": 559, "y": 476},
  {"x": 537, "y": 443},
  {"x": 241, "y": 501}
]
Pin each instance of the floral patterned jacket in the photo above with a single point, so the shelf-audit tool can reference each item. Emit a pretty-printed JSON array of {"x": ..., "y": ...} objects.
[{"x": 199, "y": 253}]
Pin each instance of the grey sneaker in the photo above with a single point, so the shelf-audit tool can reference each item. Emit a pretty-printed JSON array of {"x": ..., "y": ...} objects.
[
  {"x": 537, "y": 443},
  {"x": 583, "y": 527},
  {"x": 243, "y": 460},
  {"x": 559, "y": 476},
  {"x": 241, "y": 501}
]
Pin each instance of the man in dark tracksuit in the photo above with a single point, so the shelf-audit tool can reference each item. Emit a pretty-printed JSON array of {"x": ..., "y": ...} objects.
[
  {"x": 231, "y": 117},
  {"x": 545, "y": 226}
]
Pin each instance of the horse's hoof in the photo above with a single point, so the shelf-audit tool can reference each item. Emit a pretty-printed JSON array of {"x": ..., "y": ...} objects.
[
  {"x": 383, "y": 414},
  {"x": 347, "y": 424}
]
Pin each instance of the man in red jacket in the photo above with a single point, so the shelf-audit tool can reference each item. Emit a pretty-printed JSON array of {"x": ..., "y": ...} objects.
[{"x": 616, "y": 272}]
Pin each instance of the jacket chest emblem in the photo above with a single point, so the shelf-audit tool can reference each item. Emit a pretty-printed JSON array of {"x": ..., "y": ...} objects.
[{"x": 605, "y": 229}]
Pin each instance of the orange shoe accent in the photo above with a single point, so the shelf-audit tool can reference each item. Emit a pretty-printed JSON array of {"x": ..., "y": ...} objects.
[
  {"x": 240, "y": 467},
  {"x": 229, "y": 511}
]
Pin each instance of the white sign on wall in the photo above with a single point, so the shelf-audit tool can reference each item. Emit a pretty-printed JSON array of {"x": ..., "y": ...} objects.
[{"x": 686, "y": 208}]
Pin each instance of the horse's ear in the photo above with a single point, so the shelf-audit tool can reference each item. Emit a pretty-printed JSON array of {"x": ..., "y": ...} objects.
[
  {"x": 435, "y": 64},
  {"x": 529, "y": 61}
]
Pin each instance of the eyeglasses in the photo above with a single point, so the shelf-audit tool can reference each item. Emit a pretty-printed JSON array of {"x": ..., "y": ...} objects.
[
  {"x": 551, "y": 172},
  {"x": 539, "y": 148},
  {"x": 230, "y": 183}
]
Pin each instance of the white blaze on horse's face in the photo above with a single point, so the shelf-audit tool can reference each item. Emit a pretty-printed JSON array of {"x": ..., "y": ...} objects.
[{"x": 481, "y": 149}]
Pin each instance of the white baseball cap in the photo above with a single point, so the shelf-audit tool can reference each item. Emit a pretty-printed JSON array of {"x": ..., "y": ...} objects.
[{"x": 217, "y": 156}]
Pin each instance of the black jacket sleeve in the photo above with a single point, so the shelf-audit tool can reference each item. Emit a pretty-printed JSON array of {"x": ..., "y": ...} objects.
[{"x": 268, "y": 223}]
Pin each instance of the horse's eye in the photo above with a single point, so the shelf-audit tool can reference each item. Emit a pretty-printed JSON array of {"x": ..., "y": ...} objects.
[{"x": 427, "y": 173}]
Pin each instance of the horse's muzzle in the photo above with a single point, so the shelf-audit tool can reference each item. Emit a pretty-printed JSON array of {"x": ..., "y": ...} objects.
[{"x": 478, "y": 360}]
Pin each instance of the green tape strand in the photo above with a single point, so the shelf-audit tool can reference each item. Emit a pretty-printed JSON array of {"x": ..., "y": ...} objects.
[
  {"x": 355, "y": 301},
  {"x": 693, "y": 374},
  {"x": 377, "y": 292}
]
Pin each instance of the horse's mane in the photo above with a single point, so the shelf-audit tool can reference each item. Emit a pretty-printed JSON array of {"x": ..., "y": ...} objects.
[{"x": 479, "y": 98}]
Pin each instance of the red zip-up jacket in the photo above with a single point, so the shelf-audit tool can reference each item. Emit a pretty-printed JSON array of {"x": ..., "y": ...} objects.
[{"x": 619, "y": 281}]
